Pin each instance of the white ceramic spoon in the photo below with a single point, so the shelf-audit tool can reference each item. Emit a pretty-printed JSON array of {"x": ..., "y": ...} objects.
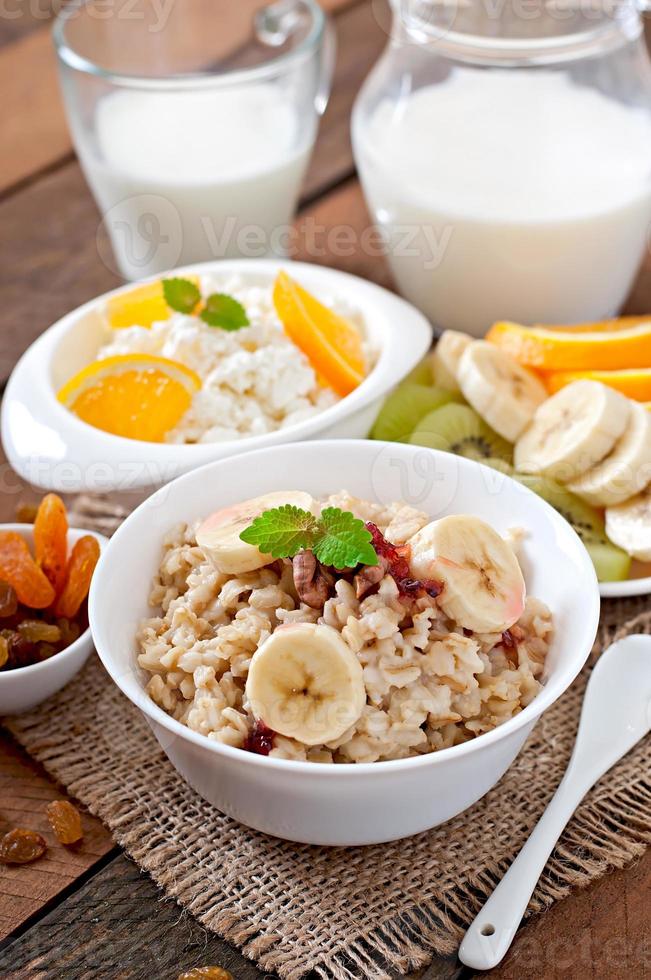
[{"x": 616, "y": 715}]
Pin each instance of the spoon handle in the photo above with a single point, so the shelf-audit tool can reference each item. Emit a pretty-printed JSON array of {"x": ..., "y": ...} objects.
[{"x": 491, "y": 933}]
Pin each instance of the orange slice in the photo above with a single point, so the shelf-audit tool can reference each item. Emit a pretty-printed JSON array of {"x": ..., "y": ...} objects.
[
  {"x": 140, "y": 307},
  {"x": 567, "y": 350},
  {"x": 331, "y": 342},
  {"x": 137, "y": 396},
  {"x": 600, "y": 326},
  {"x": 634, "y": 383}
]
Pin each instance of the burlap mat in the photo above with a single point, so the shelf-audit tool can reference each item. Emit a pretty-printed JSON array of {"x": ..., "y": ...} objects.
[{"x": 343, "y": 913}]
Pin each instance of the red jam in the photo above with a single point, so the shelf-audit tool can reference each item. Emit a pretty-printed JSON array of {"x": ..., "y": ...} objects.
[
  {"x": 261, "y": 739},
  {"x": 396, "y": 557}
]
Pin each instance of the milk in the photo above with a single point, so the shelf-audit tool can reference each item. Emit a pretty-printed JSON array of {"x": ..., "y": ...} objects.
[
  {"x": 186, "y": 176},
  {"x": 509, "y": 195}
]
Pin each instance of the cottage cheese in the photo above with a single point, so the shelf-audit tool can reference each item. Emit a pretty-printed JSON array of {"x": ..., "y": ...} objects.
[{"x": 254, "y": 380}]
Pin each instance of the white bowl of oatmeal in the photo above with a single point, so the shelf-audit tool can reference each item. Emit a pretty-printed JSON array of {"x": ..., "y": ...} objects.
[
  {"x": 429, "y": 683},
  {"x": 257, "y": 387}
]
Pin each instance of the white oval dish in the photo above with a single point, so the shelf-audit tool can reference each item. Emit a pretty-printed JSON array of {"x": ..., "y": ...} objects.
[
  {"x": 24, "y": 688},
  {"x": 629, "y": 587},
  {"x": 346, "y": 804},
  {"x": 51, "y": 448}
]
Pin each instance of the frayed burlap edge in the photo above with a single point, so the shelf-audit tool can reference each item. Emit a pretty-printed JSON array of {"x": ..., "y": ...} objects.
[{"x": 341, "y": 913}]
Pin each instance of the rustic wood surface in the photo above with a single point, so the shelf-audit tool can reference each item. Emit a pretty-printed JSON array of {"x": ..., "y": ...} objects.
[{"x": 90, "y": 912}]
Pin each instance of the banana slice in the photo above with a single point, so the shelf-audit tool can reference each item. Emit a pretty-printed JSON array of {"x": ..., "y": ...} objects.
[
  {"x": 626, "y": 470},
  {"x": 505, "y": 394},
  {"x": 629, "y": 526},
  {"x": 483, "y": 587},
  {"x": 573, "y": 431},
  {"x": 306, "y": 683},
  {"x": 219, "y": 535},
  {"x": 446, "y": 356}
]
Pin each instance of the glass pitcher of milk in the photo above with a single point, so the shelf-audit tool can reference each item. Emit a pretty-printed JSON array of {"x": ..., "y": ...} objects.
[
  {"x": 194, "y": 121},
  {"x": 505, "y": 153}
]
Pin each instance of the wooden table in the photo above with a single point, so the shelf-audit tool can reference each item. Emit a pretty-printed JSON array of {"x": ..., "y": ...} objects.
[{"x": 93, "y": 913}]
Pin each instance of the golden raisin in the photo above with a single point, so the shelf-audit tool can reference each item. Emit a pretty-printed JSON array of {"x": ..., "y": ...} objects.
[
  {"x": 26, "y": 512},
  {"x": 65, "y": 821},
  {"x": 46, "y": 650},
  {"x": 4, "y": 651},
  {"x": 206, "y": 973},
  {"x": 81, "y": 566},
  {"x": 36, "y": 631},
  {"x": 21, "y": 846},
  {"x": 70, "y": 631},
  {"x": 21, "y": 651},
  {"x": 51, "y": 539},
  {"x": 18, "y": 569},
  {"x": 8, "y": 600}
]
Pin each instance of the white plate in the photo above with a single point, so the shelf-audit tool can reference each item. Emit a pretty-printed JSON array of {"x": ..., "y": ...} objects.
[
  {"x": 51, "y": 448},
  {"x": 630, "y": 587}
]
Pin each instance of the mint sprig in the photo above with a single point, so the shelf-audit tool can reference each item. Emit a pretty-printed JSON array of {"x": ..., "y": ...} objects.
[
  {"x": 219, "y": 310},
  {"x": 337, "y": 538},
  {"x": 181, "y": 295},
  {"x": 224, "y": 311}
]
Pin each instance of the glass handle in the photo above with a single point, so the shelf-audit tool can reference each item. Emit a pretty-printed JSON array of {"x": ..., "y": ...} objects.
[{"x": 275, "y": 24}]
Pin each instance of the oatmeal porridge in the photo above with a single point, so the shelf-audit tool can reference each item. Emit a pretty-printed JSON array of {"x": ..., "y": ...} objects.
[{"x": 415, "y": 647}]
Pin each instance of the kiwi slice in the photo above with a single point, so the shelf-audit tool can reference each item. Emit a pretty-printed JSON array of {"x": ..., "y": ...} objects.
[
  {"x": 404, "y": 408},
  {"x": 611, "y": 563},
  {"x": 422, "y": 373},
  {"x": 458, "y": 429}
]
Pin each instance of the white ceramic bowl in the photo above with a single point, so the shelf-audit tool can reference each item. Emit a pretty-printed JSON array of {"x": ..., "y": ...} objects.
[
  {"x": 51, "y": 448},
  {"x": 346, "y": 804},
  {"x": 22, "y": 689}
]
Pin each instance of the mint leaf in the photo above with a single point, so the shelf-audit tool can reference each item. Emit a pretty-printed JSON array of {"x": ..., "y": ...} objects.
[
  {"x": 337, "y": 538},
  {"x": 181, "y": 295},
  {"x": 224, "y": 311},
  {"x": 343, "y": 541},
  {"x": 282, "y": 532}
]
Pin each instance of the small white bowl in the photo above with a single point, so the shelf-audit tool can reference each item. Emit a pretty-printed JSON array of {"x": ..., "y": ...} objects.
[
  {"x": 25, "y": 687},
  {"x": 51, "y": 448},
  {"x": 346, "y": 804}
]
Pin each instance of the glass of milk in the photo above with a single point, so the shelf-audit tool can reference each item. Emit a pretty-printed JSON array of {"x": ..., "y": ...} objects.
[
  {"x": 505, "y": 153},
  {"x": 194, "y": 121}
]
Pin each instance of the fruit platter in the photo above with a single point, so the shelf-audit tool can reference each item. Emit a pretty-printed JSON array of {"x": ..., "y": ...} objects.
[{"x": 565, "y": 411}]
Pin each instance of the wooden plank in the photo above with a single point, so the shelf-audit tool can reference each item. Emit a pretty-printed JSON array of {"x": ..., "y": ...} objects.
[
  {"x": 602, "y": 932},
  {"x": 49, "y": 258},
  {"x": 34, "y": 130},
  {"x": 118, "y": 925},
  {"x": 361, "y": 37},
  {"x": 25, "y": 790},
  {"x": 336, "y": 231},
  {"x": 21, "y": 17}
]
